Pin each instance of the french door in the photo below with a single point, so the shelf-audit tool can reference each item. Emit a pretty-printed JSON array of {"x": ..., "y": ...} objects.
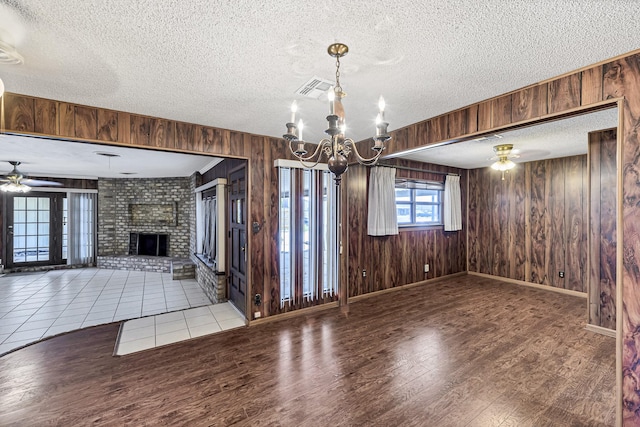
[{"x": 35, "y": 226}]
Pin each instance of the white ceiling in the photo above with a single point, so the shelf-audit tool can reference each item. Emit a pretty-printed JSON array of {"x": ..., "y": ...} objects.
[
  {"x": 55, "y": 158},
  {"x": 561, "y": 138},
  {"x": 237, "y": 64}
]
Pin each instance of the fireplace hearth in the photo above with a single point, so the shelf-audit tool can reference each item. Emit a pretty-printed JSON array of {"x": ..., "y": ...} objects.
[{"x": 148, "y": 244}]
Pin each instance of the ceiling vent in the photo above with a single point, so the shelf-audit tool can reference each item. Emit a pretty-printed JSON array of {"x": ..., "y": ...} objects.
[
  {"x": 489, "y": 137},
  {"x": 315, "y": 88}
]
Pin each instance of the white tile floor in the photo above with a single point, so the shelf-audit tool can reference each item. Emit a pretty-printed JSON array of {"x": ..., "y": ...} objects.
[
  {"x": 155, "y": 331},
  {"x": 38, "y": 305}
]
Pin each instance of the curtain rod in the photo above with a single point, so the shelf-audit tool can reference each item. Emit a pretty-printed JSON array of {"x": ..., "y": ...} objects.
[{"x": 417, "y": 170}]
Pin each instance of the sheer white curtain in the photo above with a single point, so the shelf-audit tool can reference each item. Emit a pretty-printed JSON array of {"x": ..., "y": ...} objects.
[
  {"x": 210, "y": 205},
  {"x": 382, "y": 219},
  {"x": 82, "y": 228},
  {"x": 452, "y": 204}
]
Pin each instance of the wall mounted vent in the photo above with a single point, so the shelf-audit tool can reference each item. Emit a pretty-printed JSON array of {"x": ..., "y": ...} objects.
[{"x": 315, "y": 88}]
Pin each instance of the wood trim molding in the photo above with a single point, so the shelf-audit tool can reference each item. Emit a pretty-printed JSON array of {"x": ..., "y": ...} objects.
[
  {"x": 600, "y": 330},
  {"x": 294, "y": 313},
  {"x": 531, "y": 285},
  {"x": 408, "y": 286}
]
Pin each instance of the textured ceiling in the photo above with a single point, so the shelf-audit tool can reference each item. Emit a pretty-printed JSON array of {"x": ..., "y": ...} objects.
[
  {"x": 561, "y": 138},
  {"x": 54, "y": 158},
  {"x": 237, "y": 64}
]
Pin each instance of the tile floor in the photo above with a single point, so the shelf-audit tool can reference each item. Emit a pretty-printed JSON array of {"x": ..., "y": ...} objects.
[
  {"x": 37, "y": 305},
  {"x": 155, "y": 331}
]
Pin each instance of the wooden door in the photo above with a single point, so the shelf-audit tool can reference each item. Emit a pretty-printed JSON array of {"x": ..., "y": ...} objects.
[{"x": 238, "y": 238}]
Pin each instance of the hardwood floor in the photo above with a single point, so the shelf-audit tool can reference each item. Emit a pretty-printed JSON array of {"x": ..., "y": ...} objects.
[{"x": 466, "y": 351}]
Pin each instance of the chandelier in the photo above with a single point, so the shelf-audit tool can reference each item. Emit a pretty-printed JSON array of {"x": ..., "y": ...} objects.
[
  {"x": 336, "y": 147},
  {"x": 503, "y": 164}
]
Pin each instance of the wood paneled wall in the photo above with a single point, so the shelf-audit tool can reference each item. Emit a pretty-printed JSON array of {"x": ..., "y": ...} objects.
[
  {"x": 392, "y": 261},
  {"x": 533, "y": 224},
  {"x": 602, "y": 228}
]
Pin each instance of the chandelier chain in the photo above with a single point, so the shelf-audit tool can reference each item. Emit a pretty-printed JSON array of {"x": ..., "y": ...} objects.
[{"x": 338, "y": 88}]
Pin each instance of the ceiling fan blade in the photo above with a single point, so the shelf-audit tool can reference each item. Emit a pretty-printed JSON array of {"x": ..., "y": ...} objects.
[{"x": 40, "y": 183}]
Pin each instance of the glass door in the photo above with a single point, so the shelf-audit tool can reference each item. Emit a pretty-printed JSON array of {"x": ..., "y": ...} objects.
[{"x": 34, "y": 230}]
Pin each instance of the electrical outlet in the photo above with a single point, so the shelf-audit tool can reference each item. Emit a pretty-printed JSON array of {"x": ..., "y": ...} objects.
[
  {"x": 256, "y": 315},
  {"x": 426, "y": 268},
  {"x": 561, "y": 274},
  {"x": 364, "y": 273}
]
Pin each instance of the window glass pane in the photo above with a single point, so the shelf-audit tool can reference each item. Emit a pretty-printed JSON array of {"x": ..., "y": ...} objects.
[
  {"x": 43, "y": 241},
  {"x": 43, "y": 203},
  {"x": 43, "y": 229},
  {"x": 19, "y": 216},
  {"x": 306, "y": 242},
  {"x": 32, "y": 241},
  {"x": 19, "y": 203},
  {"x": 427, "y": 213},
  {"x": 19, "y": 242},
  {"x": 403, "y": 195},
  {"x": 32, "y": 203},
  {"x": 19, "y": 229},
  {"x": 32, "y": 229},
  {"x": 43, "y": 216},
  {"x": 285, "y": 234},
  {"x": 404, "y": 213},
  {"x": 32, "y": 254},
  {"x": 32, "y": 216},
  {"x": 427, "y": 196}
]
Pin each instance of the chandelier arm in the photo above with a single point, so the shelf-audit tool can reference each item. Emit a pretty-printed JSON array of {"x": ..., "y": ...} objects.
[
  {"x": 301, "y": 157},
  {"x": 310, "y": 158},
  {"x": 362, "y": 160}
]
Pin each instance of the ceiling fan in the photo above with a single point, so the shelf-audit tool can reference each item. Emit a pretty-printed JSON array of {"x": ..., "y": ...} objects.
[
  {"x": 504, "y": 155},
  {"x": 16, "y": 182}
]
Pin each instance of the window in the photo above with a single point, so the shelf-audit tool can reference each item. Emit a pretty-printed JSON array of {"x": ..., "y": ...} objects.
[
  {"x": 308, "y": 263},
  {"x": 418, "y": 203},
  {"x": 209, "y": 223}
]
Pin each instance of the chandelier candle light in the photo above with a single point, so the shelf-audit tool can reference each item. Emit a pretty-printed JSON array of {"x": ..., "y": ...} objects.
[{"x": 336, "y": 147}]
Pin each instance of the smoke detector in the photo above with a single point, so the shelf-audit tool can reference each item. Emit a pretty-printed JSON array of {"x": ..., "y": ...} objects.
[{"x": 9, "y": 55}]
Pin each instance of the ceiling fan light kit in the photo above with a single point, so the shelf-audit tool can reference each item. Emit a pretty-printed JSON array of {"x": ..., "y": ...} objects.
[
  {"x": 13, "y": 181},
  {"x": 503, "y": 164}
]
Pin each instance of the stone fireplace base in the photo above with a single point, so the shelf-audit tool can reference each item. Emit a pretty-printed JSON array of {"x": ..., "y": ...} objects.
[{"x": 157, "y": 264}]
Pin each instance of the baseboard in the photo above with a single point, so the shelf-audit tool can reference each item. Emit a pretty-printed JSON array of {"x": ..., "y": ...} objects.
[
  {"x": 408, "y": 286},
  {"x": 531, "y": 285},
  {"x": 294, "y": 313},
  {"x": 600, "y": 330}
]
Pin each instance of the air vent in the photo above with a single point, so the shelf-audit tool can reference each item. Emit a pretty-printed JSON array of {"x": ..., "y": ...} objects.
[
  {"x": 315, "y": 88},
  {"x": 489, "y": 137}
]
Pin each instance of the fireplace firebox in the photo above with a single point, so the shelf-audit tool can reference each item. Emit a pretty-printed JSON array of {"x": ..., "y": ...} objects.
[{"x": 148, "y": 244}]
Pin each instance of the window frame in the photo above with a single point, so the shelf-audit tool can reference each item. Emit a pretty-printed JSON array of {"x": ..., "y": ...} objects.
[
  {"x": 307, "y": 262},
  {"x": 414, "y": 185},
  {"x": 207, "y": 195}
]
